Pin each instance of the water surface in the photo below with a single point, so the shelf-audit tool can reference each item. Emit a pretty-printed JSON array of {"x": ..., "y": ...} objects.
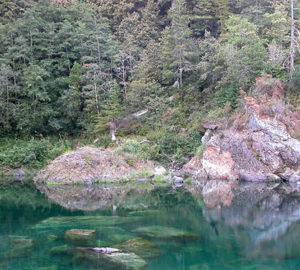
[{"x": 259, "y": 230}]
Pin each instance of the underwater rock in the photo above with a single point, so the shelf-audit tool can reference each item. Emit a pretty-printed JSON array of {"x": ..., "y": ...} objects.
[
  {"x": 77, "y": 236},
  {"x": 51, "y": 237},
  {"x": 141, "y": 247},
  {"x": 109, "y": 257},
  {"x": 119, "y": 238},
  {"x": 22, "y": 247},
  {"x": 163, "y": 232},
  {"x": 60, "y": 250},
  {"x": 54, "y": 223},
  {"x": 22, "y": 242}
]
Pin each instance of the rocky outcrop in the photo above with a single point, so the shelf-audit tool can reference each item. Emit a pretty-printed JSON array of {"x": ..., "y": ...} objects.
[
  {"x": 261, "y": 145},
  {"x": 215, "y": 164},
  {"x": 88, "y": 165}
]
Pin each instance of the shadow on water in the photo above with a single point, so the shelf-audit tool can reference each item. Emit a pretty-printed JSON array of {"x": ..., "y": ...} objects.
[{"x": 156, "y": 227}]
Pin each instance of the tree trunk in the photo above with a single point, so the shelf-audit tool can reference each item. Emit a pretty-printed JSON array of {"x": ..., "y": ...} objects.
[
  {"x": 96, "y": 94},
  {"x": 98, "y": 45},
  {"x": 292, "y": 50},
  {"x": 113, "y": 129},
  {"x": 173, "y": 4},
  {"x": 124, "y": 75},
  {"x": 7, "y": 101}
]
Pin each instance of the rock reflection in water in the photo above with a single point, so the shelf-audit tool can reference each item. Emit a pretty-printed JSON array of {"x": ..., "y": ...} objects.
[
  {"x": 264, "y": 218},
  {"x": 90, "y": 198}
]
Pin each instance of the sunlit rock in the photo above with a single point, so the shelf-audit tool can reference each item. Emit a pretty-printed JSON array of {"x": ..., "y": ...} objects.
[
  {"x": 110, "y": 258},
  {"x": 88, "y": 164},
  {"x": 261, "y": 143}
]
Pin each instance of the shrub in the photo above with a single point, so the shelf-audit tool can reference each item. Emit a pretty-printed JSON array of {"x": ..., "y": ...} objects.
[
  {"x": 31, "y": 154},
  {"x": 131, "y": 147},
  {"x": 170, "y": 144}
]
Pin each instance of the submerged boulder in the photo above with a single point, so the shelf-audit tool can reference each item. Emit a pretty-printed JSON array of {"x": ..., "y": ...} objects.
[
  {"x": 163, "y": 232},
  {"x": 60, "y": 250},
  {"x": 87, "y": 165},
  {"x": 141, "y": 247},
  {"x": 21, "y": 247},
  {"x": 109, "y": 257},
  {"x": 77, "y": 236},
  {"x": 261, "y": 145},
  {"x": 22, "y": 242},
  {"x": 56, "y": 223}
]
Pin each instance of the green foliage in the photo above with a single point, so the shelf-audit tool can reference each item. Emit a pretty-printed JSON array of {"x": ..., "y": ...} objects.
[
  {"x": 228, "y": 94},
  {"x": 79, "y": 68},
  {"x": 243, "y": 52},
  {"x": 178, "y": 45},
  {"x": 44, "y": 51},
  {"x": 131, "y": 147},
  {"x": 170, "y": 143},
  {"x": 111, "y": 109},
  {"x": 31, "y": 154}
]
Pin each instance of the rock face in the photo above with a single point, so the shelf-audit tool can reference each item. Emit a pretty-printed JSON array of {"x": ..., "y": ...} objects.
[
  {"x": 261, "y": 145},
  {"x": 88, "y": 164}
]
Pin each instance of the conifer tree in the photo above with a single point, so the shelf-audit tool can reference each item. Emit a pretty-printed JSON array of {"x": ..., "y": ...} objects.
[
  {"x": 178, "y": 45},
  {"x": 7, "y": 95},
  {"x": 111, "y": 110}
]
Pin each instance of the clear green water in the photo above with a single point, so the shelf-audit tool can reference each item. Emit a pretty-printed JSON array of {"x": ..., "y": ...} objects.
[{"x": 258, "y": 231}]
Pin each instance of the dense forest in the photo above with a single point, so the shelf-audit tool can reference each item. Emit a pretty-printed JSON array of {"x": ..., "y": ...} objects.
[{"x": 72, "y": 68}]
